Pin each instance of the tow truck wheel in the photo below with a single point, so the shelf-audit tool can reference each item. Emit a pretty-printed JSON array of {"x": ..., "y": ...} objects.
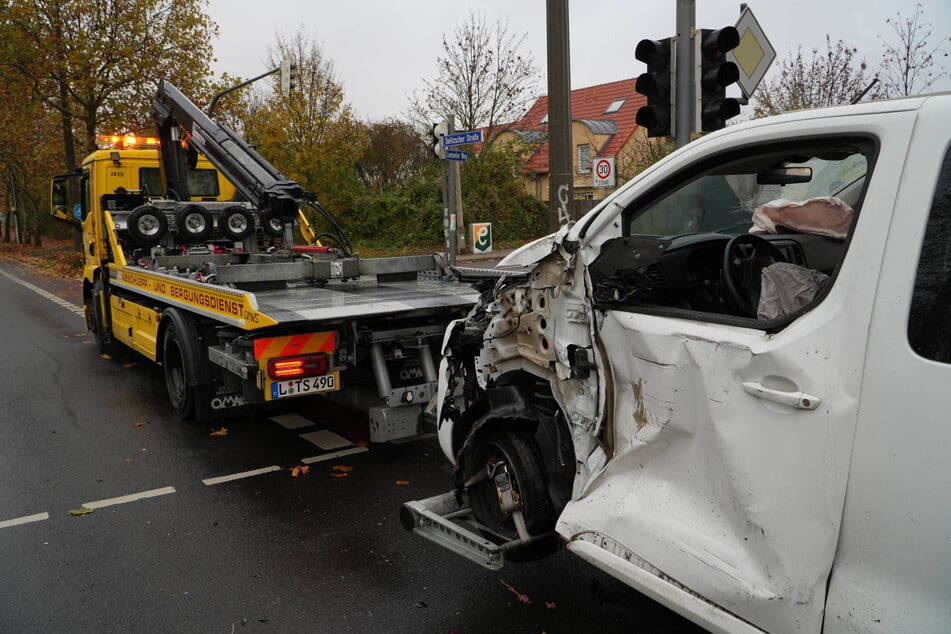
[
  {"x": 180, "y": 393},
  {"x": 497, "y": 459},
  {"x": 194, "y": 223},
  {"x": 273, "y": 226},
  {"x": 97, "y": 301},
  {"x": 236, "y": 223},
  {"x": 147, "y": 225}
]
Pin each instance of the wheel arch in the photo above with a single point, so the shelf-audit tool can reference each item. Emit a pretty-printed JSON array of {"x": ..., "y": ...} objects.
[{"x": 516, "y": 401}]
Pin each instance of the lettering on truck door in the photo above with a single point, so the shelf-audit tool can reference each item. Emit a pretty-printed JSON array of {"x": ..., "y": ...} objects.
[{"x": 734, "y": 403}]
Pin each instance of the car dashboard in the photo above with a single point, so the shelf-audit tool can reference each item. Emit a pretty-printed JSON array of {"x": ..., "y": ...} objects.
[{"x": 686, "y": 272}]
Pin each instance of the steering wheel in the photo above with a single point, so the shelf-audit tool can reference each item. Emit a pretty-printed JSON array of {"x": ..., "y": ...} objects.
[{"x": 744, "y": 259}]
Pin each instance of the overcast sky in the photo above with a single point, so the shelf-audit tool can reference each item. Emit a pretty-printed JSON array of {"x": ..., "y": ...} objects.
[{"x": 382, "y": 50}]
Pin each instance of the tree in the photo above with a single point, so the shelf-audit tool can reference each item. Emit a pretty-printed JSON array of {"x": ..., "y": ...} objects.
[
  {"x": 394, "y": 153},
  {"x": 310, "y": 135},
  {"x": 830, "y": 78},
  {"x": 97, "y": 62},
  {"x": 910, "y": 65},
  {"x": 640, "y": 154},
  {"x": 483, "y": 79}
]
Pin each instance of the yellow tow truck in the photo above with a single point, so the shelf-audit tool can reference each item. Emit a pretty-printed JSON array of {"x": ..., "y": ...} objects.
[{"x": 190, "y": 261}]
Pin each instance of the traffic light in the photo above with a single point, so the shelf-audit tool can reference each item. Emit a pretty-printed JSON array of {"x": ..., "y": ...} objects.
[
  {"x": 288, "y": 77},
  {"x": 657, "y": 85},
  {"x": 714, "y": 75},
  {"x": 440, "y": 130}
]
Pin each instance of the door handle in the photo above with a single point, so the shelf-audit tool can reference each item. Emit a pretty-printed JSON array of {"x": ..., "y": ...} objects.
[{"x": 799, "y": 400}]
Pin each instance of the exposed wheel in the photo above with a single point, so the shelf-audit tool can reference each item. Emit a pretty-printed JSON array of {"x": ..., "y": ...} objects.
[
  {"x": 147, "y": 225},
  {"x": 181, "y": 393},
  {"x": 273, "y": 226},
  {"x": 236, "y": 223},
  {"x": 512, "y": 454},
  {"x": 194, "y": 223},
  {"x": 96, "y": 322}
]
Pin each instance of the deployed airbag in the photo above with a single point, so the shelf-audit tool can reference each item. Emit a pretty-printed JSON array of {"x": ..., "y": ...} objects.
[
  {"x": 829, "y": 216},
  {"x": 785, "y": 288}
]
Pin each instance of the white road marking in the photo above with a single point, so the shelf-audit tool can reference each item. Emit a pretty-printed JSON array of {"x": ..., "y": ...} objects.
[
  {"x": 39, "y": 291},
  {"x": 334, "y": 455},
  {"x": 26, "y": 519},
  {"x": 237, "y": 476},
  {"x": 292, "y": 421},
  {"x": 132, "y": 497},
  {"x": 326, "y": 439}
]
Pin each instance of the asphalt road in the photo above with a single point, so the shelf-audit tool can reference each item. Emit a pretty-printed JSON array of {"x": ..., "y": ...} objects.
[{"x": 183, "y": 539}]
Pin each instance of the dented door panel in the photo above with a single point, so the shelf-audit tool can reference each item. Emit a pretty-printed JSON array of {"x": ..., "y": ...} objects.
[{"x": 737, "y": 498}]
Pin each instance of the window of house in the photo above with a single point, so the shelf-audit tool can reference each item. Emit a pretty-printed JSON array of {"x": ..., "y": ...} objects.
[
  {"x": 615, "y": 106},
  {"x": 928, "y": 331},
  {"x": 584, "y": 158}
]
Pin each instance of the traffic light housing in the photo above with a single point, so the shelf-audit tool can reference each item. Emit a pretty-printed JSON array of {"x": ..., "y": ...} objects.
[
  {"x": 439, "y": 130},
  {"x": 657, "y": 85},
  {"x": 288, "y": 77},
  {"x": 714, "y": 74}
]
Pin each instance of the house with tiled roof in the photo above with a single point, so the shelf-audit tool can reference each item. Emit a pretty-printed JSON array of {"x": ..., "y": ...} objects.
[{"x": 602, "y": 126}]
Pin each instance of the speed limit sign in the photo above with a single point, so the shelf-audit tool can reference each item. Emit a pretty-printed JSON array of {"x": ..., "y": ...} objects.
[{"x": 603, "y": 172}]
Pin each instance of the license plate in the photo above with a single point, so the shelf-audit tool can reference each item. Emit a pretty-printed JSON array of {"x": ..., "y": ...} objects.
[{"x": 302, "y": 387}]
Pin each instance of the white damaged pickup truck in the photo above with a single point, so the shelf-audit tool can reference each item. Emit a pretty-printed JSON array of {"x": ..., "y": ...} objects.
[{"x": 729, "y": 384}]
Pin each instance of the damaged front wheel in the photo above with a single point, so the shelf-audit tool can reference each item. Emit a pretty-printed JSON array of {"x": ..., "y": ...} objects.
[{"x": 506, "y": 484}]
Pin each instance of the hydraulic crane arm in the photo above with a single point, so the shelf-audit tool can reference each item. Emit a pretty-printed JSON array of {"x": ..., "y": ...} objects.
[{"x": 252, "y": 175}]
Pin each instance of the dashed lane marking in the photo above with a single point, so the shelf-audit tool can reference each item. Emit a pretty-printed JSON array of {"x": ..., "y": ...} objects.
[
  {"x": 326, "y": 439},
  {"x": 26, "y": 519},
  {"x": 334, "y": 455},
  {"x": 39, "y": 291},
  {"x": 132, "y": 497},
  {"x": 238, "y": 476},
  {"x": 292, "y": 421}
]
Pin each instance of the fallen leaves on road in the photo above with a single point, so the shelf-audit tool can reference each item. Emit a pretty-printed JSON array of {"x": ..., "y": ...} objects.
[
  {"x": 220, "y": 432},
  {"x": 340, "y": 471},
  {"x": 105, "y": 356},
  {"x": 81, "y": 511},
  {"x": 299, "y": 470},
  {"x": 139, "y": 424},
  {"x": 131, "y": 364},
  {"x": 521, "y": 597},
  {"x": 551, "y": 605},
  {"x": 402, "y": 483}
]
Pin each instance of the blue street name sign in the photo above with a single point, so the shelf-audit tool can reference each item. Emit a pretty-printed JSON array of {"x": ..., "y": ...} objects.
[
  {"x": 462, "y": 138},
  {"x": 457, "y": 155}
]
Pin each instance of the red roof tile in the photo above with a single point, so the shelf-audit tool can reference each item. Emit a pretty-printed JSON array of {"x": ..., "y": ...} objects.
[{"x": 587, "y": 103}]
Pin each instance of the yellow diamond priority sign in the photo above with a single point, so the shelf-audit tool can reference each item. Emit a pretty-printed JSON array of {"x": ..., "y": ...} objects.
[{"x": 753, "y": 55}]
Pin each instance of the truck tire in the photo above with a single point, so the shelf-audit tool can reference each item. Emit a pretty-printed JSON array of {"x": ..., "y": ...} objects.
[
  {"x": 147, "y": 225},
  {"x": 273, "y": 226},
  {"x": 194, "y": 223},
  {"x": 236, "y": 223},
  {"x": 104, "y": 342},
  {"x": 178, "y": 382},
  {"x": 516, "y": 447}
]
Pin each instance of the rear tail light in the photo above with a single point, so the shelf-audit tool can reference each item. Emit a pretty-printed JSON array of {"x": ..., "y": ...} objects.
[{"x": 284, "y": 368}]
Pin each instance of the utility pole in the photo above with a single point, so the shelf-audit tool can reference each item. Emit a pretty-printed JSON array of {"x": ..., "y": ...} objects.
[
  {"x": 560, "y": 172},
  {"x": 685, "y": 106}
]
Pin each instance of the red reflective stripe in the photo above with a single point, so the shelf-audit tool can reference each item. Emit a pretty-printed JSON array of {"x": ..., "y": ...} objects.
[{"x": 295, "y": 344}]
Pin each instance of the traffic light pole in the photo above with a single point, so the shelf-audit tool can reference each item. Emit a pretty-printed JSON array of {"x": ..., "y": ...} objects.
[{"x": 685, "y": 105}]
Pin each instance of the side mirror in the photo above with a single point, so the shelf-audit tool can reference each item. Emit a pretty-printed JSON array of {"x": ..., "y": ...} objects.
[{"x": 60, "y": 206}]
